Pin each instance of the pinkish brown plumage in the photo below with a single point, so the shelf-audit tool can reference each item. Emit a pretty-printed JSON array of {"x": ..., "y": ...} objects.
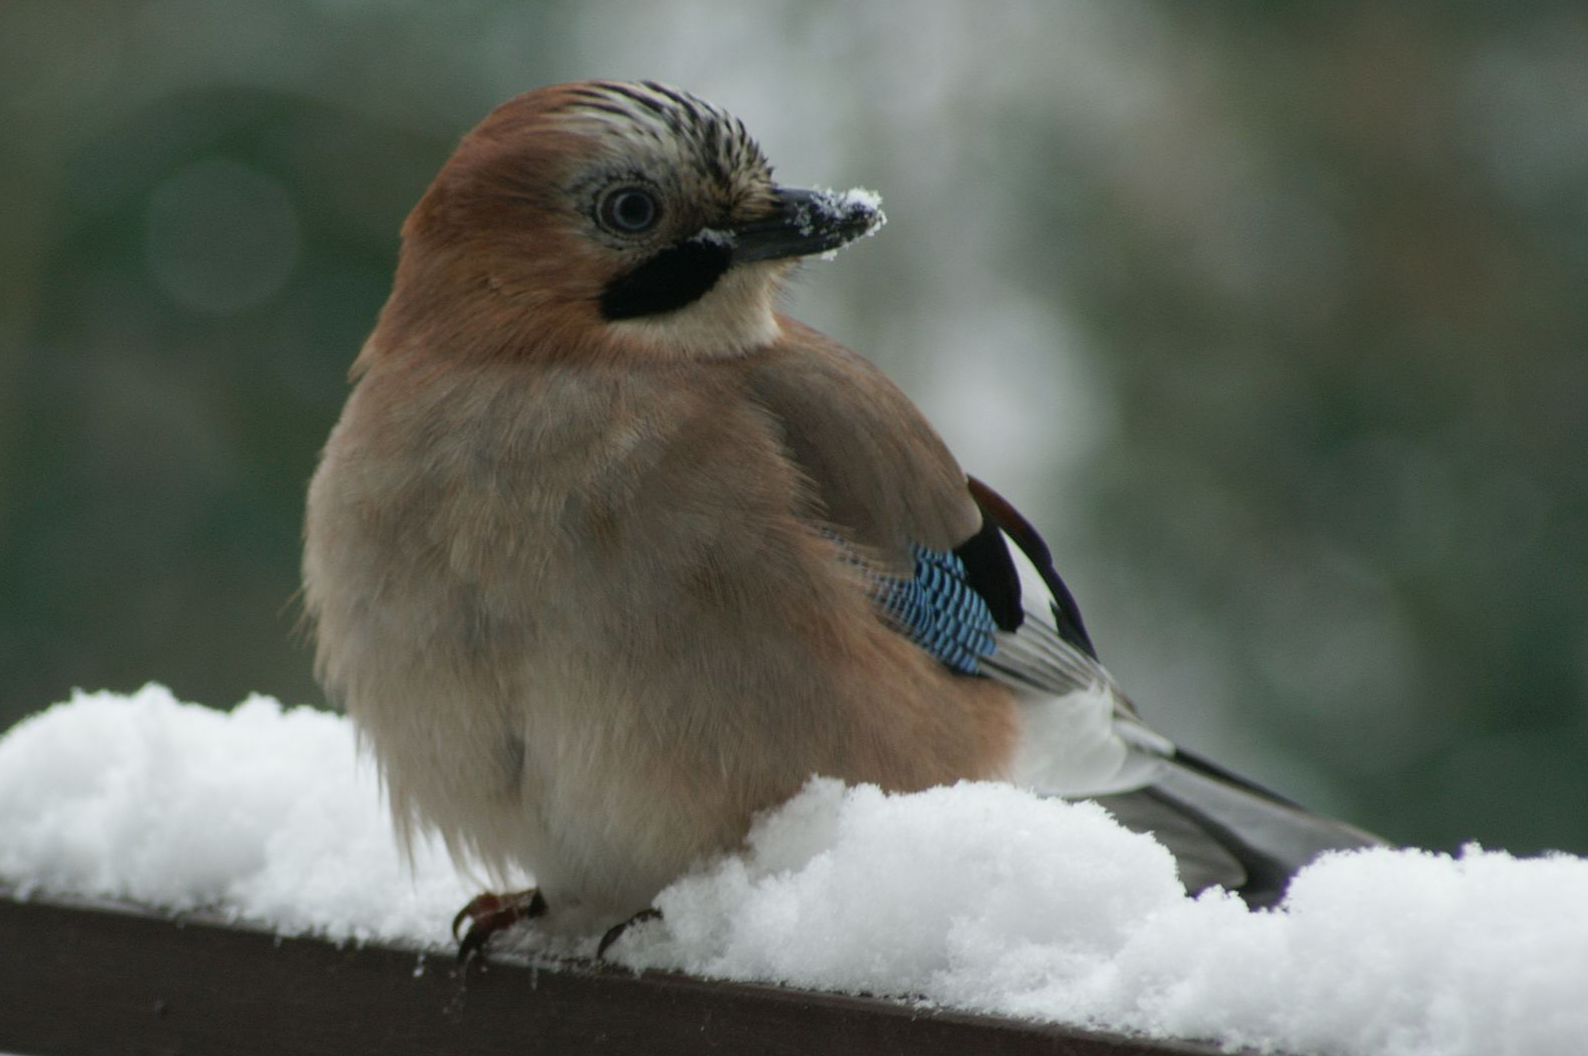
[{"x": 605, "y": 555}]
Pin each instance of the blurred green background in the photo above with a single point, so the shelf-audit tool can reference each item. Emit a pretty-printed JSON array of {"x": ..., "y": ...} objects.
[{"x": 1274, "y": 316}]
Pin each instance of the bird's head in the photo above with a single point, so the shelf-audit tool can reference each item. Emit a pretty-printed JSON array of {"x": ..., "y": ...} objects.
[{"x": 608, "y": 215}]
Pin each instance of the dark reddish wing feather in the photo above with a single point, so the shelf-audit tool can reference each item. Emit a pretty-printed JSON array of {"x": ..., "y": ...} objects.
[{"x": 1066, "y": 614}]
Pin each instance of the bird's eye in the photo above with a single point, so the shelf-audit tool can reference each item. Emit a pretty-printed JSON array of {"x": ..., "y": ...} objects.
[{"x": 629, "y": 210}]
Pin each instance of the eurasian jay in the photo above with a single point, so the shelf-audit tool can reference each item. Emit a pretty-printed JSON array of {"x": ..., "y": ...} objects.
[{"x": 606, "y": 555}]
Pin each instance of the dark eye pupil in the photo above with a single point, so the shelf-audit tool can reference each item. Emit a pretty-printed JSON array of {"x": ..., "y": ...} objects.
[{"x": 630, "y": 210}]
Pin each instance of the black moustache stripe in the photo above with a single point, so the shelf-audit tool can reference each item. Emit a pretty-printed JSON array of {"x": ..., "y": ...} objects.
[{"x": 678, "y": 275}]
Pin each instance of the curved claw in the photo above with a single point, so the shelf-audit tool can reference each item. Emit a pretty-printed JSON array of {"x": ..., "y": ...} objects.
[
  {"x": 615, "y": 932},
  {"x": 489, "y": 913},
  {"x": 477, "y": 906}
]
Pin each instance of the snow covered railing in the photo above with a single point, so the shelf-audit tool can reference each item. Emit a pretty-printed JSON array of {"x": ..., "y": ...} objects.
[
  {"x": 977, "y": 911},
  {"x": 81, "y": 978}
]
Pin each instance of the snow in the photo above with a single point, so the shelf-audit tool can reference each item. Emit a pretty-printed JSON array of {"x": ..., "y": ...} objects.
[
  {"x": 711, "y": 236},
  {"x": 260, "y": 812},
  {"x": 858, "y": 199},
  {"x": 856, "y": 206},
  {"x": 980, "y": 896}
]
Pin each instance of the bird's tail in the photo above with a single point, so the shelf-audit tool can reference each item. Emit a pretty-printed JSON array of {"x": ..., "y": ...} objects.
[{"x": 1227, "y": 831}]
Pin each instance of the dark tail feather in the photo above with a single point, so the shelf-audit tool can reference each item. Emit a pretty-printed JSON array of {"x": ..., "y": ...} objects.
[{"x": 1227, "y": 831}]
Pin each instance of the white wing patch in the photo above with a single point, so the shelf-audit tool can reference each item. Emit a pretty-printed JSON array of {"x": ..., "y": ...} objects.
[
  {"x": 1079, "y": 744},
  {"x": 1079, "y": 736}
]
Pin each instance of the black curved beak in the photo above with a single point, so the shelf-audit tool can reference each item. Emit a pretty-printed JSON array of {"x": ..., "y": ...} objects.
[{"x": 810, "y": 222}]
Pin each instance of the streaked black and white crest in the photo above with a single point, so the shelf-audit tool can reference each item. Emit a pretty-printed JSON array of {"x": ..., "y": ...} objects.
[{"x": 680, "y": 135}]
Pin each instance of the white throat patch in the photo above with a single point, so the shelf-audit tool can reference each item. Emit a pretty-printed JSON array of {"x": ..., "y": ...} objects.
[{"x": 736, "y": 316}]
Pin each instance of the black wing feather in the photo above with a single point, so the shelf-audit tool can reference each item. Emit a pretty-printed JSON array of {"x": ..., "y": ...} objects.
[{"x": 1000, "y": 515}]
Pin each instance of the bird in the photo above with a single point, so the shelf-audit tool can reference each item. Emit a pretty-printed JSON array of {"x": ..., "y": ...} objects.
[{"x": 607, "y": 554}]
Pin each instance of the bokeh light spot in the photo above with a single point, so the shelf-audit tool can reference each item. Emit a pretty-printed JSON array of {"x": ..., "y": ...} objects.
[{"x": 222, "y": 237}]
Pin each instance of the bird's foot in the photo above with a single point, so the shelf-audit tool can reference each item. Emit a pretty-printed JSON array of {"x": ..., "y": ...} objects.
[
  {"x": 490, "y": 913},
  {"x": 615, "y": 932}
]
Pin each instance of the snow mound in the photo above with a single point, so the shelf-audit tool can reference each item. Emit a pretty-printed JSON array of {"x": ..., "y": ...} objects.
[
  {"x": 979, "y": 896},
  {"x": 259, "y": 812}
]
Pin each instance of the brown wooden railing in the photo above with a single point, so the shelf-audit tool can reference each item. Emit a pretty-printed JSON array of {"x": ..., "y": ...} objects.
[{"x": 82, "y": 978}]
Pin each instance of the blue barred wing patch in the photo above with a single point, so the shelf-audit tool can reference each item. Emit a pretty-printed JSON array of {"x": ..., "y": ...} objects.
[{"x": 940, "y": 611}]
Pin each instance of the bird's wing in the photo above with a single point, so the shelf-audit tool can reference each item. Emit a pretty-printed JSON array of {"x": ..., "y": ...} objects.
[
  {"x": 956, "y": 568},
  {"x": 879, "y": 474},
  {"x": 948, "y": 562}
]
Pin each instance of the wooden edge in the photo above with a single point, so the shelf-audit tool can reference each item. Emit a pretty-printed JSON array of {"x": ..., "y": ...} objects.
[{"x": 83, "y": 978}]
